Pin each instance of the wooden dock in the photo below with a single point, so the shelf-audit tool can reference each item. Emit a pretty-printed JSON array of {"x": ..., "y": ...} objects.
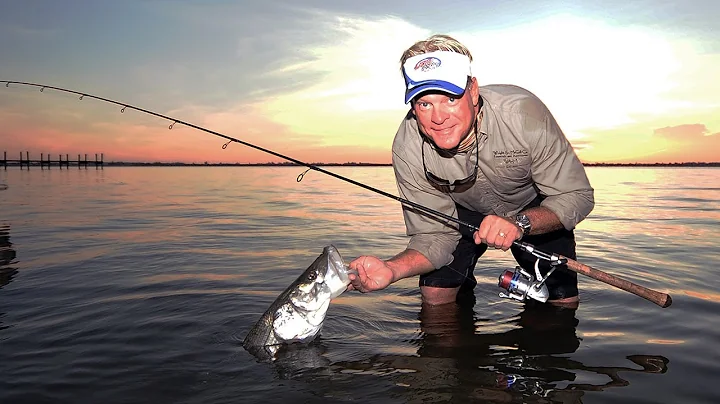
[{"x": 27, "y": 162}]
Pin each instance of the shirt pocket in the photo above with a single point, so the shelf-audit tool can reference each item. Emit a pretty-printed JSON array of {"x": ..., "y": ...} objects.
[{"x": 512, "y": 177}]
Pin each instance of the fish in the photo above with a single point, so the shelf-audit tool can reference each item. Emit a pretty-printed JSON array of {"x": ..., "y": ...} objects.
[{"x": 298, "y": 313}]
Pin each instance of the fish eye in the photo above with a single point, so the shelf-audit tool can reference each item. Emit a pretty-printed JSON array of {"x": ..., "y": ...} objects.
[{"x": 312, "y": 276}]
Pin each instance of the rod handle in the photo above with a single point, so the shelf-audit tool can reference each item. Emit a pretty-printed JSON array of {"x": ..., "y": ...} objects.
[{"x": 661, "y": 299}]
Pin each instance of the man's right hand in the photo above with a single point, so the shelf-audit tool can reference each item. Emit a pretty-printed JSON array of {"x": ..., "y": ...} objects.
[{"x": 372, "y": 274}]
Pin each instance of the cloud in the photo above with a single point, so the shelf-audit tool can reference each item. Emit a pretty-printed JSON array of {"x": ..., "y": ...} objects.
[
  {"x": 590, "y": 74},
  {"x": 579, "y": 146},
  {"x": 355, "y": 96},
  {"x": 653, "y": 141},
  {"x": 683, "y": 132},
  {"x": 689, "y": 142},
  {"x": 356, "y": 63},
  {"x": 594, "y": 75}
]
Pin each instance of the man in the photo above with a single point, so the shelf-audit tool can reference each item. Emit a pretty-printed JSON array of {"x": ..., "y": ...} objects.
[{"x": 492, "y": 155}]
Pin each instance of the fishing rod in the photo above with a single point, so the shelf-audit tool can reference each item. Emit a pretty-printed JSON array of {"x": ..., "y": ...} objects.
[{"x": 661, "y": 299}]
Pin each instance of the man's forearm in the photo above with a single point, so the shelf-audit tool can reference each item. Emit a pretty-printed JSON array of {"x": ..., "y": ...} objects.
[
  {"x": 572, "y": 207},
  {"x": 408, "y": 263},
  {"x": 542, "y": 220}
]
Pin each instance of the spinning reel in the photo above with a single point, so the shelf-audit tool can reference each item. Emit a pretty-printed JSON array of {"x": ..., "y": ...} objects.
[{"x": 521, "y": 285}]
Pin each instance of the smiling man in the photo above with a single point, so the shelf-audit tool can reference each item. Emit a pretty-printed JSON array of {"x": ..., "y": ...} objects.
[{"x": 491, "y": 155}]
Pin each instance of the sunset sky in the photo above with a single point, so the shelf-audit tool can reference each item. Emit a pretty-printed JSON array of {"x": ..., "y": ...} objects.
[{"x": 319, "y": 80}]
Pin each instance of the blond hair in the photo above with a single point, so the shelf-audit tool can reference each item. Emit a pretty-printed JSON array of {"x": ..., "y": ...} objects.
[{"x": 434, "y": 43}]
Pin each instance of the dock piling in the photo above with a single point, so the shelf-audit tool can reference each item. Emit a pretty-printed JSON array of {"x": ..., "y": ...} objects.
[{"x": 25, "y": 161}]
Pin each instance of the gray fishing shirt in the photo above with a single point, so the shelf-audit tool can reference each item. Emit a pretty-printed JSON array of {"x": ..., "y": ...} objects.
[{"x": 522, "y": 152}]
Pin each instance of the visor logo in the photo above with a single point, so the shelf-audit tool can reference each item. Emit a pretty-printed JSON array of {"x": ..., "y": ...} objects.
[{"x": 429, "y": 63}]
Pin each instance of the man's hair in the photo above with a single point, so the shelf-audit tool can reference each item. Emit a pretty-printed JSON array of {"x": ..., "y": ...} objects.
[{"x": 434, "y": 43}]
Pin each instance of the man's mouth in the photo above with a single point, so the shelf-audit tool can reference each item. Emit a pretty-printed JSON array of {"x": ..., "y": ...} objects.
[{"x": 444, "y": 131}]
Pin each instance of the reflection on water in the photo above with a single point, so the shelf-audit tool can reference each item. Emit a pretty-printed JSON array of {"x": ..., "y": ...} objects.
[
  {"x": 520, "y": 362},
  {"x": 451, "y": 329},
  {"x": 7, "y": 256},
  {"x": 457, "y": 358}
]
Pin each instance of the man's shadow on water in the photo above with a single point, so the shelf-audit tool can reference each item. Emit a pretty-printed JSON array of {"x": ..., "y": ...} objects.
[{"x": 459, "y": 355}]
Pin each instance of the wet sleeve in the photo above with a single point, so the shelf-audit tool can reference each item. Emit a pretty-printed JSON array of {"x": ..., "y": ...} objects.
[
  {"x": 434, "y": 238},
  {"x": 558, "y": 173}
]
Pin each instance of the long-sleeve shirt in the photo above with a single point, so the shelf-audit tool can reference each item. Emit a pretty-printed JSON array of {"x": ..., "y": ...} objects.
[{"x": 522, "y": 152}]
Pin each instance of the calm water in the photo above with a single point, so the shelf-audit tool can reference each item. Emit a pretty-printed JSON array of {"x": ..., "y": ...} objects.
[{"x": 137, "y": 285}]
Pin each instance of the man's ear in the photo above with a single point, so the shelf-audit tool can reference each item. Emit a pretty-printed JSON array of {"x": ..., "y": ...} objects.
[
  {"x": 475, "y": 91},
  {"x": 410, "y": 114}
]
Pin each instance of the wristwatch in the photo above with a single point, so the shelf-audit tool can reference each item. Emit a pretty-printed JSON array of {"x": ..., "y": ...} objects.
[{"x": 523, "y": 222}]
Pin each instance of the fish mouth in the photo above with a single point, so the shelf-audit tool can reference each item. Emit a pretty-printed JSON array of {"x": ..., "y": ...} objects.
[
  {"x": 335, "y": 260},
  {"x": 337, "y": 276}
]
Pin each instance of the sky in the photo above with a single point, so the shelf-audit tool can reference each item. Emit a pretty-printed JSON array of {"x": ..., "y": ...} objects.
[{"x": 319, "y": 81}]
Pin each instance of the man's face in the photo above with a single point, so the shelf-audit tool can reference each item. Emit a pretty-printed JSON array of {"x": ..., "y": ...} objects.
[{"x": 447, "y": 119}]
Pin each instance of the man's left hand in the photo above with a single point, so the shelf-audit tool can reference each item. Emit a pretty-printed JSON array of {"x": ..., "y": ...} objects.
[{"x": 497, "y": 232}]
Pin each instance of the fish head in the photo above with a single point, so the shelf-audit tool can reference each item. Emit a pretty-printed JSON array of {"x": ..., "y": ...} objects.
[{"x": 325, "y": 280}]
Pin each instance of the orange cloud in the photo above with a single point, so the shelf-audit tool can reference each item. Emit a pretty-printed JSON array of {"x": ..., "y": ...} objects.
[
  {"x": 688, "y": 142},
  {"x": 653, "y": 141},
  {"x": 684, "y": 132}
]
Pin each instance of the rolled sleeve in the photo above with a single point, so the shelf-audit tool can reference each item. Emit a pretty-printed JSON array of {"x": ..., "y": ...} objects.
[
  {"x": 559, "y": 174},
  {"x": 433, "y": 237}
]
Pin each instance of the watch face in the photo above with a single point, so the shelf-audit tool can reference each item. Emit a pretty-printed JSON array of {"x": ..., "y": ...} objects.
[{"x": 524, "y": 222}]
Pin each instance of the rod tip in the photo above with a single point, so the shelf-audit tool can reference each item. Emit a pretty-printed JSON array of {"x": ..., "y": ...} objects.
[{"x": 668, "y": 302}]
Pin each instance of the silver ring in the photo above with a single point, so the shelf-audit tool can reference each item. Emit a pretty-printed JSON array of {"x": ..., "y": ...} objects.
[{"x": 501, "y": 234}]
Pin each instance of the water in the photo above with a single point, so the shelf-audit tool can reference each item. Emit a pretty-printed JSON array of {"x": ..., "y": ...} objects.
[{"x": 137, "y": 285}]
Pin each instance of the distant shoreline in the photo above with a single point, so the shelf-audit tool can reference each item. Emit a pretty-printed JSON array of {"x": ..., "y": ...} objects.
[{"x": 290, "y": 164}]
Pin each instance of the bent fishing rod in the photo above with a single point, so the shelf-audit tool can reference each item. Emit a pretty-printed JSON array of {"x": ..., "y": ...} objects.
[{"x": 661, "y": 299}]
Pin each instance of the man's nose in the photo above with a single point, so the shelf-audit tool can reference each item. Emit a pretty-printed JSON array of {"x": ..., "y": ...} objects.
[{"x": 439, "y": 115}]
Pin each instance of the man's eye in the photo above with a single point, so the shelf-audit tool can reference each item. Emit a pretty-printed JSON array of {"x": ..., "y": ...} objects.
[{"x": 452, "y": 99}]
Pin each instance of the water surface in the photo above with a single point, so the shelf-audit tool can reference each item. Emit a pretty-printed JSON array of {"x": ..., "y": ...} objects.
[{"x": 137, "y": 284}]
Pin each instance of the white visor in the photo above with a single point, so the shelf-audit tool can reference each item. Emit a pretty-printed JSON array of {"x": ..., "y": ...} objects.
[{"x": 444, "y": 71}]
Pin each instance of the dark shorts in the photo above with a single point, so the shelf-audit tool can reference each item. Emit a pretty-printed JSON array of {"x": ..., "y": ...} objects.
[{"x": 561, "y": 284}]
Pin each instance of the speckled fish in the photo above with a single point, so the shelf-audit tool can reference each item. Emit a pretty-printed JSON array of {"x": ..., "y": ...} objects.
[{"x": 297, "y": 315}]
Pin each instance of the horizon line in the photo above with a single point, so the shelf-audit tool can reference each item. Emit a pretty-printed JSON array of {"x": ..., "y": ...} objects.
[
  {"x": 353, "y": 163},
  {"x": 4, "y": 161}
]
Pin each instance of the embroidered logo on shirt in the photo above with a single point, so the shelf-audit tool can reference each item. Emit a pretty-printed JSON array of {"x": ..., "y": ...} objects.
[
  {"x": 498, "y": 154},
  {"x": 510, "y": 158}
]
